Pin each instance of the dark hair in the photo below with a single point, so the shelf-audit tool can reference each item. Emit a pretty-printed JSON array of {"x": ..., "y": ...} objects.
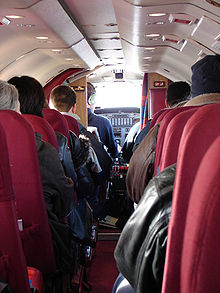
[
  {"x": 63, "y": 98},
  {"x": 31, "y": 94},
  {"x": 177, "y": 92}
]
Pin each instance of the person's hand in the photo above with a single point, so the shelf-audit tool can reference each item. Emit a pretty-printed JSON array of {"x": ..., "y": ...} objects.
[{"x": 70, "y": 181}]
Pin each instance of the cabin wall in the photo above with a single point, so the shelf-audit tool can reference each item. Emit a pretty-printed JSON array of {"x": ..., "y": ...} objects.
[
  {"x": 81, "y": 102},
  {"x": 157, "y": 92}
]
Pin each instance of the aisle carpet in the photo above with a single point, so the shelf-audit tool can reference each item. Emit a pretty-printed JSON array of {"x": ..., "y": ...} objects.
[{"x": 103, "y": 271}]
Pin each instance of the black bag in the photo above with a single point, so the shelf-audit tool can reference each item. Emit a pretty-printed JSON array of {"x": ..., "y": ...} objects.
[
  {"x": 104, "y": 159},
  {"x": 140, "y": 251}
]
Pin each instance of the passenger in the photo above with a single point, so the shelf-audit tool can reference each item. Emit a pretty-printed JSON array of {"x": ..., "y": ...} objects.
[
  {"x": 139, "y": 249},
  {"x": 101, "y": 123},
  {"x": 58, "y": 189},
  {"x": 63, "y": 99},
  {"x": 177, "y": 95}
]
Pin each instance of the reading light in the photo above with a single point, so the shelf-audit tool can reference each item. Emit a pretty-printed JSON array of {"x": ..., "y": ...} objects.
[
  {"x": 14, "y": 16},
  {"x": 157, "y": 14},
  {"x": 42, "y": 38},
  {"x": 149, "y": 48},
  {"x": 152, "y": 35}
]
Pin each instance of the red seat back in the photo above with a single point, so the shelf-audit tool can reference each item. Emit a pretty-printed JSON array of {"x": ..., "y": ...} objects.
[
  {"x": 201, "y": 245},
  {"x": 156, "y": 118},
  {"x": 198, "y": 134},
  {"x": 172, "y": 138},
  {"x": 12, "y": 262},
  {"x": 57, "y": 121},
  {"x": 73, "y": 124},
  {"x": 165, "y": 120},
  {"x": 30, "y": 204},
  {"x": 43, "y": 127}
]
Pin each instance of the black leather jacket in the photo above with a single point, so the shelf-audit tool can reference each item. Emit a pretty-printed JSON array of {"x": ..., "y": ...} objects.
[{"x": 140, "y": 251}]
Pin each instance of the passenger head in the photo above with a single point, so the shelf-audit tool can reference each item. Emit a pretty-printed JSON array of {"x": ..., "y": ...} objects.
[
  {"x": 177, "y": 92},
  {"x": 206, "y": 76},
  {"x": 31, "y": 94},
  {"x": 91, "y": 92},
  {"x": 63, "y": 98},
  {"x": 8, "y": 97}
]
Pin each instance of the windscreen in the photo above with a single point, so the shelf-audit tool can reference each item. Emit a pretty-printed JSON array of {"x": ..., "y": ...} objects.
[{"x": 118, "y": 94}]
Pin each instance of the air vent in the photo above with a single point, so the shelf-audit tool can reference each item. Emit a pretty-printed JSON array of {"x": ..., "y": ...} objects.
[
  {"x": 4, "y": 21},
  {"x": 172, "y": 38},
  {"x": 182, "y": 18}
]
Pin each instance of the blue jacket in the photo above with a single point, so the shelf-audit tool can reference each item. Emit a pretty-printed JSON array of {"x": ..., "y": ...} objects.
[{"x": 105, "y": 131}]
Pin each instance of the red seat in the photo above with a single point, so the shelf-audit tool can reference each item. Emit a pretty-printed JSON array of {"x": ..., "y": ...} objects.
[
  {"x": 43, "y": 127},
  {"x": 172, "y": 138},
  {"x": 73, "y": 124},
  {"x": 12, "y": 261},
  {"x": 30, "y": 204},
  {"x": 165, "y": 120},
  {"x": 201, "y": 245},
  {"x": 198, "y": 134},
  {"x": 57, "y": 121},
  {"x": 158, "y": 116}
]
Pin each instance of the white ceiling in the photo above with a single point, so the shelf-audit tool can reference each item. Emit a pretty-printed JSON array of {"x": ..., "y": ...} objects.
[{"x": 112, "y": 33}]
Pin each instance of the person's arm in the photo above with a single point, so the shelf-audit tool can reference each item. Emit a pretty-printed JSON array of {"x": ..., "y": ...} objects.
[
  {"x": 58, "y": 189},
  {"x": 110, "y": 138}
]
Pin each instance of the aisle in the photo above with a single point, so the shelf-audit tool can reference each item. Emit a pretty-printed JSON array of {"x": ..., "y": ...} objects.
[{"x": 103, "y": 271}]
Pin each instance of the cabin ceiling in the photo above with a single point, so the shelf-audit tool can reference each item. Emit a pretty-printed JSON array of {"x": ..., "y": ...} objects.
[{"x": 111, "y": 35}]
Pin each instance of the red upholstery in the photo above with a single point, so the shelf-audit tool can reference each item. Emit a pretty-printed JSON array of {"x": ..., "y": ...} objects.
[
  {"x": 157, "y": 115},
  {"x": 30, "y": 204},
  {"x": 165, "y": 120},
  {"x": 57, "y": 121},
  {"x": 201, "y": 245},
  {"x": 73, "y": 124},
  {"x": 41, "y": 126},
  {"x": 199, "y": 133},
  {"x": 172, "y": 138},
  {"x": 12, "y": 262}
]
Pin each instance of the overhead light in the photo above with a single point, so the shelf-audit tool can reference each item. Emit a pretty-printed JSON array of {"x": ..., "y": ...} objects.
[
  {"x": 42, "y": 38},
  {"x": 146, "y": 64},
  {"x": 56, "y": 50},
  {"x": 152, "y": 35},
  {"x": 147, "y": 58},
  {"x": 157, "y": 14},
  {"x": 159, "y": 22},
  {"x": 14, "y": 16},
  {"x": 69, "y": 59},
  {"x": 149, "y": 48}
]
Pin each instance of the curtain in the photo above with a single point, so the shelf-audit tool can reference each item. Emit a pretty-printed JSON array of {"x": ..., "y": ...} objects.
[{"x": 144, "y": 102}]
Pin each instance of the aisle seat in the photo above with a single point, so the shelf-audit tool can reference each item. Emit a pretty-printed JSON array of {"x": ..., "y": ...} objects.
[
  {"x": 165, "y": 120},
  {"x": 13, "y": 268},
  {"x": 43, "y": 127},
  {"x": 30, "y": 204},
  {"x": 57, "y": 121},
  {"x": 201, "y": 243},
  {"x": 158, "y": 116},
  {"x": 172, "y": 138},
  {"x": 199, "y": 133},
  {"x": 73, "y": 124}
]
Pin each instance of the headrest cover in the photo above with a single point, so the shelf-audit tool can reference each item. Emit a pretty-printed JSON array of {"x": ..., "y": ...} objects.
[{"x": 206, "y": 76}]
